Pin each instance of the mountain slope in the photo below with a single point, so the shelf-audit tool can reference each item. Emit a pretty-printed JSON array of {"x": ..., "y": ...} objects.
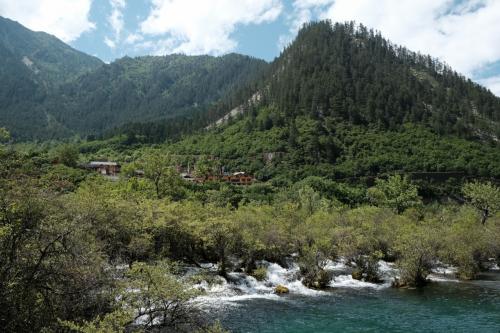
[
  {"x": 354, "y": 74},
  {"x": 33, "y": 64},
  {"x": 49, "y": 90},
  {"x": 147, "y": 89},
  {"x": 344, "y": 103},
  {"x": 49, "y": 59}
]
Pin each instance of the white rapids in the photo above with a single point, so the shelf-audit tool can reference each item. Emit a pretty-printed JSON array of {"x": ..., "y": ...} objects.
[{"x": 240, "y": 286}]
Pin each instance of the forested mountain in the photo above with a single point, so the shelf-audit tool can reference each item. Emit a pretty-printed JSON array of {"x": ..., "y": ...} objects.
[
  {"x": 49, "y": 90},
  {"x": 343, "y": 103},
  {"x": 347, "y": 73},
  {"x": 146, "y": 89},
  {"x": 50, "y": 60},
  {"x": 329, "y": 74},
  {"x": 352, "y": 73},
  {"x": 32, "y": 65}
]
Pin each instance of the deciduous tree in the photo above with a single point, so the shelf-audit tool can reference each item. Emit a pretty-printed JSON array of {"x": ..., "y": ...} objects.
[
  {"x": 396, "y": 192},
  {"x": 485, "y": 197}
]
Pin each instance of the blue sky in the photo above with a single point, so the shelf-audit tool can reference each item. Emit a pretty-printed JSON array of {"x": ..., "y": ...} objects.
[{"x": 463, "y": 33}]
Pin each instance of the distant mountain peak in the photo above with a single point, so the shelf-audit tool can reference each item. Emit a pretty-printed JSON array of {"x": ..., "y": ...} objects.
[
  {"x": 32, "y": 64},
  {"x": 45, "y": 54},
  {"x": 350, "y": 72}
]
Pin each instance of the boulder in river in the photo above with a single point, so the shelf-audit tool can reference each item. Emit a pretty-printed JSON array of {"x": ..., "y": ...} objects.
[{"x": 281, "y": 289}]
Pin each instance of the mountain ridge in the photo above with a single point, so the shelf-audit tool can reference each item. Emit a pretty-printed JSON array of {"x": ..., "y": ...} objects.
[
  {"x": 358, "y": 75},
  {"x": 149, "y": 89},
  {"x": 45, "y": 54},
  {"x": 32, "y": 65},
  {"x": 342, "y": 71},
  {"x": 341, "y": 83},
  {"x": 335, "y": 108},
  {"x": 52, "y": 91}
]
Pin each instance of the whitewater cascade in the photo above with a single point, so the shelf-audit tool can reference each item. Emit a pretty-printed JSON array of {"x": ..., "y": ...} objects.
[{"x": 240, "y": 286}]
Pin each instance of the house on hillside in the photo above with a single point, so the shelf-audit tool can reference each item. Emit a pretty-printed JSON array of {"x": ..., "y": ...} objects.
[
  {"x": 238, "y": 178},
  {"x": 105, "y": 168}
]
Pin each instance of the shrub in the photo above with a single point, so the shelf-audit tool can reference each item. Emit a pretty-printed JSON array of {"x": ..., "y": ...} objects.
[
  {"x": 367, "y": 267},
  {"x": 417, "y": 251},
  {"x": 260, "y": 273}
]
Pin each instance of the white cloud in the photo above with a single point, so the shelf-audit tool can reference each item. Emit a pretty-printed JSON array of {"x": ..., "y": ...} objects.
[
  {"x": 204, "y": 27},
  {"x": 109, "y": 42},
  {"x": 65, "y": 19},
  {"x": 115, "y": 20},
  {"x": 465, "y": 35},
  {"x": 493, "y": 83},
  {"x": 133, "y": 38},
  {"x": 116, "y": 17},
  {"x": 303, "y": 11}
]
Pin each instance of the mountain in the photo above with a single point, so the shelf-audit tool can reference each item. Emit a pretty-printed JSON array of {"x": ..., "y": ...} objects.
[
  {"x": 49, "y": 90},
  {"x": 32, "y": 65},
  {"x": 149, "y": 89},
  {"x": 352, "y": 73},
  {"x": 343, "y": 102},
  {"x": 331, "y": 74},
  {"x": 50, "y": 60}
]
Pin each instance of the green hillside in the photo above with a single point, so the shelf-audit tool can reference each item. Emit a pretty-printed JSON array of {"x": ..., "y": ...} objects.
[
  {"x": 342, "y": 102},
  {"x": 354, "y": 74},
  {"x": 50, "y": 60},
  {"x": 33, "y": 65},
  {"x": 50, "y": 90},
  {"x": 146, "y": 89}
]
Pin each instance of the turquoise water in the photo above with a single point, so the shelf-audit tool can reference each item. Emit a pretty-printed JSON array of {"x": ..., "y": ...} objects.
[{"x": 440, "y": 307}]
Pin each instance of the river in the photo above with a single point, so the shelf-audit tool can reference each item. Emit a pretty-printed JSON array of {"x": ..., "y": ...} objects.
[{"x": 445, "y": 305}]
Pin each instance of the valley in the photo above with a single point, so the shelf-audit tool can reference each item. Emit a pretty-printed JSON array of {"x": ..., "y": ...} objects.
[{"x": 350, "y": 184}]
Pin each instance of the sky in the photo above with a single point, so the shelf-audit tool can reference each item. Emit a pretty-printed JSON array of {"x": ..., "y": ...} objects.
[{"x": 463, "y": 33}]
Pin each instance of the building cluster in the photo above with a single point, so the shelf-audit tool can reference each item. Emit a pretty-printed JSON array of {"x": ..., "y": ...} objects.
[
  {"x": 112, "y": 169},
  {"x": 104, "y": 168}
]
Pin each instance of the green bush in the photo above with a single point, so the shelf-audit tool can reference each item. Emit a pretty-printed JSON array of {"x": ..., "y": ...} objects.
[{"x": 260, "y": 274}]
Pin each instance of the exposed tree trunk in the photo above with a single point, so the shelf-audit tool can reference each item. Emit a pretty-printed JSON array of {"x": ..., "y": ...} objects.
[
  {"x": 485, "y": 216},
  {"x": 157, "y": 187},
  {"x": 222, "y": 258}
]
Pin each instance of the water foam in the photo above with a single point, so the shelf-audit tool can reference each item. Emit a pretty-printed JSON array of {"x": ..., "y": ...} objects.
[
  {"x": 443, "y": 273},
  {"x": 240, "y": 286},
  {"x": 346, "y": 281}
]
